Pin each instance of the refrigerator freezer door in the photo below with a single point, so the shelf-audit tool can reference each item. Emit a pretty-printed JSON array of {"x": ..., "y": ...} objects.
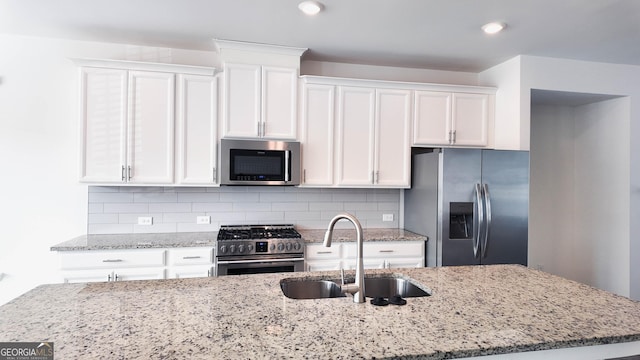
[
  {"x": 506, "y": 175},
  {"x": 460, "y": 172}
]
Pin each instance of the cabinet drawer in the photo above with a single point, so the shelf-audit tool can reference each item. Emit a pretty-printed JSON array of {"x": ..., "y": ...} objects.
[
  {"x": 319, "y": 251},
  {"x": 112, "y": 259},
  {"x": 385, "y": 249},
  {"x": 190, "y": 256}
]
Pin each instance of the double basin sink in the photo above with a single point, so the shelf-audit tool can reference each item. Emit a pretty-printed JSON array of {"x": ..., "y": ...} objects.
[{"x": 381, "y": 286}]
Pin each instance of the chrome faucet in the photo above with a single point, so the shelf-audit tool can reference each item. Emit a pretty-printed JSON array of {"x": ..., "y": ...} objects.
[{"x": 357, "y": 288}]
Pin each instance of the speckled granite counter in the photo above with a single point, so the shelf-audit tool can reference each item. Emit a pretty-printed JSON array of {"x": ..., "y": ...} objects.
[
  {"x": 137, "y": 241},
  {"x": 317, "y": 235},
  {"x": 169, "y": 240},
  {"x": 473, "y": 311}
]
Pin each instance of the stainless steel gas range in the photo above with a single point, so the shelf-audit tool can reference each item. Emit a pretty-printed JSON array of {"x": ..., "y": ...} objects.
[{"x": 254, "y": 249}]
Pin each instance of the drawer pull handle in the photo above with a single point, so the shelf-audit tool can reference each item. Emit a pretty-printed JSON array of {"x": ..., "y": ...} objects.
[
  {"x": 191, "y": 257},
  {"x": 386, "y": 251},
  {"x": 112, "y": 260},
  {"x": 324, "y": 252}
]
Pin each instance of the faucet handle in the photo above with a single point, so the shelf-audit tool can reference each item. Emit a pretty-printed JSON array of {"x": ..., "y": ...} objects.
[{"x": 342, "y": 276}]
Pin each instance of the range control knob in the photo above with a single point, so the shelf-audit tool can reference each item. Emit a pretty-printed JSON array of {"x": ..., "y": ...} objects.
[
  {"x": 240, "y": 248},
  {"x": 232, "y": 248},
  {"x": 223, "y": 249},
  {"x": 272, "y": 247},
  {"x": 296, "y": 246},
  {"x": 280, "y": 247},
  {"x": 249, "y": 248},
  {"x": 288, "y": 246}
]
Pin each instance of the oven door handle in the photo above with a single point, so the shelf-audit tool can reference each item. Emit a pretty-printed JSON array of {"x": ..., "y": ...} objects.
[{"x": 259, "y": 261}]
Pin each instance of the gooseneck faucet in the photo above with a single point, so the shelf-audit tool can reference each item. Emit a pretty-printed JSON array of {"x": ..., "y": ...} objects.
[{"x": 357, "y": 289}]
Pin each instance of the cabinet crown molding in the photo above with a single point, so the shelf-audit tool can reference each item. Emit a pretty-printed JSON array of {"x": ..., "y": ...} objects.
[
  {"x": 389, "y": 84},
  {"x": 145, "y": 66},
  {"x": 257, "y": 47}
]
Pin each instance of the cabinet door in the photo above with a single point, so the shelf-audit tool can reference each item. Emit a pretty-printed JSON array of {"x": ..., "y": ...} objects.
[
  {"x": 196, "y": 129},
  {"x": 355, "y": 134},
  {"x": 183, "y": 272},
  {"x": 242, "y": 100},
  {"x": 151, "y": 127},
  {"x": 323, "y": 265},
  {"x": 432, "y": 118},
  {"x": 83, "y": 276},
  {"x": 139, "y": 274},
  {"x": 279, "y": 103},
  {"x": 393, "y": 151},
  {"x": 103, "y": 124},
  {"x": 317, "y": 135},
  {"x": 470, "y": 119}
]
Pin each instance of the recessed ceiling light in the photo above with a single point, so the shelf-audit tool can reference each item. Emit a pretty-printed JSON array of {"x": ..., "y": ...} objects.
[
  {"x": 493, "y": 27},
  {"x": 310, "y": 7}
]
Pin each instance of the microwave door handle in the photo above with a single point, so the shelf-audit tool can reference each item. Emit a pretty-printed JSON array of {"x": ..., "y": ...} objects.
[{"x": 287, "y": 159}]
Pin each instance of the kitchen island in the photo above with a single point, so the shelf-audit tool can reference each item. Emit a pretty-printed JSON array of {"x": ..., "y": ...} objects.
[{"x": 473, "y": 311}]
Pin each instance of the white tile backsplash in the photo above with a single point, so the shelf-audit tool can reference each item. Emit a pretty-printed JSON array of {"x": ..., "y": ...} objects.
[{"x": 114, "y": 210}]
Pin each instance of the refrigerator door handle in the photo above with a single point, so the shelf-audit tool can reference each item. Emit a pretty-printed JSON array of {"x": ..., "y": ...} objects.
[
  {"x": 487, "y": 227},
  {"x": 478, "y": 220}
]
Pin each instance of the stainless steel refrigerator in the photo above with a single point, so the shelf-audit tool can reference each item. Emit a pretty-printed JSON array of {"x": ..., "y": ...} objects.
[{"x": 472, "y": 204}]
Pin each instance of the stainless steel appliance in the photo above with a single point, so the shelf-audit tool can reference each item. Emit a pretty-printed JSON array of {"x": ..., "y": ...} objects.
[
  {"x": 474, "y": 203},
  {"x": 254, "y": 249},
  {"x": 258, "y": 162}
]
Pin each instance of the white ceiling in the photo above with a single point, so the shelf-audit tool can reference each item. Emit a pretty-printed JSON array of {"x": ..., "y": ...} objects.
[{"x": 434, "y": 34}]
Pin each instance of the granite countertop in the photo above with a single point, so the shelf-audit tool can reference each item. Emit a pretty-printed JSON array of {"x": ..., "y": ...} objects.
[
  {"x": 317, "y": 235},
  {"x": 473, "y": 311},
  {"x": 137, "y": 241},
  {"x": 170, "y": 240}
]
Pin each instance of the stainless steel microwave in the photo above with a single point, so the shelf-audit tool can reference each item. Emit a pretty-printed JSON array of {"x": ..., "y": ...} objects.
[{"x": 258, "y": 162}]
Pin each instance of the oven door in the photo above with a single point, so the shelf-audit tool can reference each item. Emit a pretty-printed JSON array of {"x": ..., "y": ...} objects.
[{"x": 260, "y": 266}]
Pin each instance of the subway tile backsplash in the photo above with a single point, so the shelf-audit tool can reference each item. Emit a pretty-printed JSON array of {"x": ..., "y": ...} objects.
[{"x": 115, "y": 209}]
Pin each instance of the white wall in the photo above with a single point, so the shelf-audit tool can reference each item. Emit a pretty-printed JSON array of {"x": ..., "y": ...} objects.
[
  {"x": 579, "y": 207},
  {"x": 43, "y": 203},
  {"x": 582, "y": 77}
]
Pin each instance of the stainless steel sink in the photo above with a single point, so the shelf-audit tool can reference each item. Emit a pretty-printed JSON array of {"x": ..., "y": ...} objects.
[
  {"x": 310, "y": 289},
  {"x": 385, "y": 287}
]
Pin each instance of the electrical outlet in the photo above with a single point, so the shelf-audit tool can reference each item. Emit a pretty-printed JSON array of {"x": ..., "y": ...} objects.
[
  {"x": 202, "y": 220},
  {"x": 387, "y": 217},
  {"x": 145, "y": 220}
]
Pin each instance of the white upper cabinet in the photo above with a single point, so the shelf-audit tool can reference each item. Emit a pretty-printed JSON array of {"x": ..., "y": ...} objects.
[
  {"x": 279, "y": 102},
  {"x": 260, "y": 101},
  {"x": 103, "y": 109},
  {"x": 355, "y": 135},
  {"x": 373, "y": 135},
  {"x": 196, "y": 130},
  {"x": 451, "y": 119},
  {"x": 150, "y": 128},
  {"x": 393, "y": 126},
  {"x": 317, "y": 124},
  {"x": 128, "y": 122},
  {"x": 260, "y": 90},
  {"x": 127, "y": 126}
]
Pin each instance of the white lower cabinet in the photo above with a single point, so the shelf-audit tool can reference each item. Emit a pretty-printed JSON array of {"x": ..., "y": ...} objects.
[
  {"x": 190, "y": 262},
  {"x": 136, "y": 264},
  {"x": 321, "y": 258},
  {"x": 386, "y": 254},
  {"x": 376, "y": 255}
]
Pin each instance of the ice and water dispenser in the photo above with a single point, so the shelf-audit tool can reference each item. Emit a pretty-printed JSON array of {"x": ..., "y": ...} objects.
[{"x": 460, "y": 220}]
